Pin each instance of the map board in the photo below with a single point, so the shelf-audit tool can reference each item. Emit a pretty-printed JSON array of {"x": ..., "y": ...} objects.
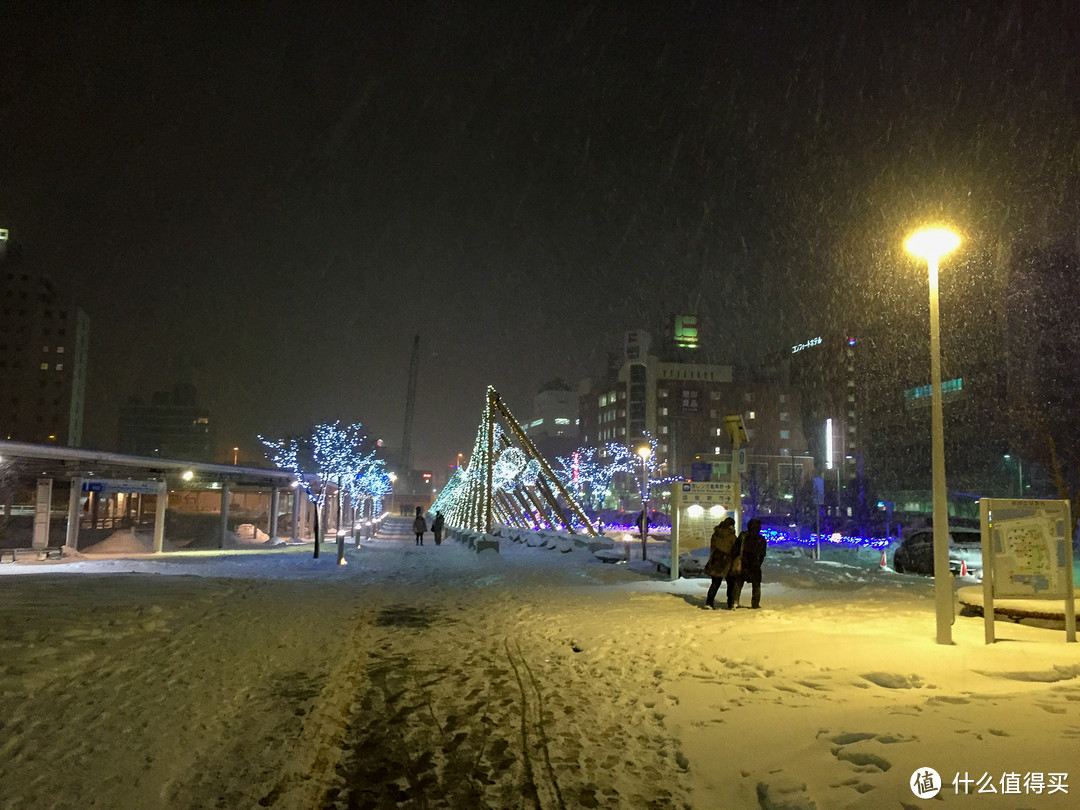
[
  {"x": 1027, "y": 553},
  {"x": 697, "y": 507},
  {"x": 1030, "y": 548}
]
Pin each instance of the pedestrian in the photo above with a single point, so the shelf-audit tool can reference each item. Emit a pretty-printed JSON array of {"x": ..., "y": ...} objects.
[
  {"x": 419, "y": 526},
  {"x": 754, "y": 547},
  {"x": 436, "y": 528},
  {"x": 723, "y": 562}
]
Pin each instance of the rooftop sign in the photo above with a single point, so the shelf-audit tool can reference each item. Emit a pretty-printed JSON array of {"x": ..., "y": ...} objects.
[{"x": 798, "y": 347}]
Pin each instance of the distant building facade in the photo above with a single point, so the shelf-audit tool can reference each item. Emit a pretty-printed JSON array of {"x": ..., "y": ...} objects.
[
  {"x": 554, "y": 424},
  {"x": 43, "y": 357},
  {"x": 681, "y": 402},
  {"x": 172, "y": 425}
]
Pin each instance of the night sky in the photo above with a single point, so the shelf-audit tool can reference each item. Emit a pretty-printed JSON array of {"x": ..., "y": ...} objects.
[{"x": 275, "y": 197}]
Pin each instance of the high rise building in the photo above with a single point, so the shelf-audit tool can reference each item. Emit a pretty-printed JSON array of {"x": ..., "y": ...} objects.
[
  {"x": 171, "y": 425},
  {"x": 43, "y": 356}
]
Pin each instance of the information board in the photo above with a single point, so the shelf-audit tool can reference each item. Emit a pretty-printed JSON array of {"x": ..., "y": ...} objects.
[
  {"x": 1030, "y": 548},
  {"x": 108, "y": 485},
  {"x": 1027, "y": 553},
  {"x": 697, "y": 506}
]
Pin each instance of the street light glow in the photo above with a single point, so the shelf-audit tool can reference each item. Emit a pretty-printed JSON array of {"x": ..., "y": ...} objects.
[
  {"x": 932, "y": 243},
  {"x": 644, "y": 451}
]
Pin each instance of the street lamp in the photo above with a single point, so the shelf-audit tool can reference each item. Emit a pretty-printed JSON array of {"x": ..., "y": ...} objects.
[
  {"x": 235, "y": 455},
  {"x": 644, "y": 451},
  {"x": 931, "y": 244}
]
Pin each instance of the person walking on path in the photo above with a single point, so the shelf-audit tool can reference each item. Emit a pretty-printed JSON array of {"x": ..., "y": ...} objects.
[
  {"x": 419, "y": 526},
  {"x": 642, "y": 521},
  {"x": 723, "y": 562},
  {"x": 436, "y": 528},
  {"x": 754, "y": 547}
]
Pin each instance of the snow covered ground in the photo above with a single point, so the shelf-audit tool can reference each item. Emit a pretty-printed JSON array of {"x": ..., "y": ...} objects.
[{"x": 426, "y": 677}]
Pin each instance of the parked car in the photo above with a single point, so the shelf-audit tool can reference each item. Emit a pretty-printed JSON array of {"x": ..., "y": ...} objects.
[{"x": 916, "y": 554}]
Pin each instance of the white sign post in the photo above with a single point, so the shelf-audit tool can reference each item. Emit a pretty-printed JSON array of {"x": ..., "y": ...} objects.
[
  {"x": 1027, "y": 554},
  {"x": 696, "y": 508}
]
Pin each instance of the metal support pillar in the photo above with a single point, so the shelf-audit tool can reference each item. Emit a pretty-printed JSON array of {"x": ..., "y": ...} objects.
[
  {"x": 159, "y": 517},
  {"x": 296, "y": 514},
  {"x": 42, "y": 514},
  {"x": 224, "y": 514},
  {"x": 274, "y": 505},
  {"x": 74, "y": 501}
]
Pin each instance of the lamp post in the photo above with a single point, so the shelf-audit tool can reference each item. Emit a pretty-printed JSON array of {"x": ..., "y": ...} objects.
[
  {"x": 931, "y": 244},
  {"x": 644, "y": 451}
]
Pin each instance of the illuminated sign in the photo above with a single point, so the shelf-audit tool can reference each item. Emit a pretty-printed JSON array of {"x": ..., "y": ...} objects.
[
  {"x": 686, "y": 331},
  {"x": 923, "y": 391},
  {"x": 798, "y": 347}
]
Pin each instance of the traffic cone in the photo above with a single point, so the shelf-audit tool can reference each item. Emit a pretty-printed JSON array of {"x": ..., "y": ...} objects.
[
  {"x": 884, "y": 561},
  {"x": 963, "y": 568}
]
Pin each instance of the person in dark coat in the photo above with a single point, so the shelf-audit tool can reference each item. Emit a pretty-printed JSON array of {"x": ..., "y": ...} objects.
[
  {"x": 419, "y": 526},
  {"x": 724, "y": 562},
  {"x": 642, "y": 521},
  {"x": 753, "y": 546},
  {"x": 436, "y": 528}
]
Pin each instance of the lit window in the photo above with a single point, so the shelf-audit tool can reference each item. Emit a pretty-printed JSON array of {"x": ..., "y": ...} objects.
[
  {"x": 44, "y": 366},
  {"x": 783, "y": 416},
  {"x": 785, "y": 434},
  {"x": 716, "y": 451},
  {"x": 663, "y": 429},
  {"x": 719, "y": 432},
  {"x": 751, "y": 415},
  {"x": 45, "y": 349},
  {"x": 59, "y": 366},
  {"x": 59, "y": 349},
  {"x": 663, "y": 412}
]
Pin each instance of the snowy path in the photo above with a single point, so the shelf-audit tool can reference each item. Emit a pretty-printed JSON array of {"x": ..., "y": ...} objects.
[{"x": 434, "y": 677}]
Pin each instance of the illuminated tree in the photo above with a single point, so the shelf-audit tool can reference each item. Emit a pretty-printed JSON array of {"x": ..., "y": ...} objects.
[
  {"x": 328, "y": 455},
  {"x": 590, "y": 477}
]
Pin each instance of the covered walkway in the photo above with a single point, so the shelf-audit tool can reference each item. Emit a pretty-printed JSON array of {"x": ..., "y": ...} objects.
[{"x": 113, "y": 491}]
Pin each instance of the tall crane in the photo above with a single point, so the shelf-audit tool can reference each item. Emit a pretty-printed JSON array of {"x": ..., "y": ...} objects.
[{"x": 410, "y": 406}]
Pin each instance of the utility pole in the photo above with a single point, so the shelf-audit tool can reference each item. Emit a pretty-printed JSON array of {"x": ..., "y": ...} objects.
[{"x": 410, "y": 407}]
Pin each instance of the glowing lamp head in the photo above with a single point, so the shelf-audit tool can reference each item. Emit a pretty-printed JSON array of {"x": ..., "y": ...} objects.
[
  {"x": 644, "y": 451},
  {"x": 931, "y": 243},
  {"x": 188, "y": 475}
]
